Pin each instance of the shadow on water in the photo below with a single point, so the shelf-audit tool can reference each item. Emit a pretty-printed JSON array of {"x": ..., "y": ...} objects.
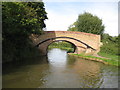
[
  {"x": 11, "y": 67},
  {"x": 27, "y": 74}
]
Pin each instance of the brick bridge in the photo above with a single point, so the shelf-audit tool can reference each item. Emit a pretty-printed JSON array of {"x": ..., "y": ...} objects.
[{"x": 83, "y": 42}]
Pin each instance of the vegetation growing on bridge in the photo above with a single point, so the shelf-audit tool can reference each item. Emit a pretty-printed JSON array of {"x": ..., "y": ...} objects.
[{"x": 19, "y": 20}]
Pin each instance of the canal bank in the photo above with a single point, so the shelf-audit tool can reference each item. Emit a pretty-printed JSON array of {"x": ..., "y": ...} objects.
[{"x": 105, "y": 60}]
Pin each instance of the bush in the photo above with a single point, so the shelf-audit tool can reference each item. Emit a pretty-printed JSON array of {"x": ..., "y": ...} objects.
[{"x": 110, "y": 44}]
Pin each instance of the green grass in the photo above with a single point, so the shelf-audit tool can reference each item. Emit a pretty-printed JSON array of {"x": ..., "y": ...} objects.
[
  {"x": 63, "y": 48},
  {"x": 113, "y": 59}
]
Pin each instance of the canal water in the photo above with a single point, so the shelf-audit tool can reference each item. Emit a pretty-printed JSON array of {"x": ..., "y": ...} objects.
[{"x": 59, "y": 70}]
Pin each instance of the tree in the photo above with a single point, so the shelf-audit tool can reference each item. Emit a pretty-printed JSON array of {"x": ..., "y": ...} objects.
[
  {"x": 88, "y": 23},
  {"x": 23, "y": 17},
  {"x": 19, "y": 21},
  {"x": 72, "y": 27}
]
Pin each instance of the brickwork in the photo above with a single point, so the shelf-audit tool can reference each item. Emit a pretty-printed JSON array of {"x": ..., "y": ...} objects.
[{"x": 80, "y": 39}]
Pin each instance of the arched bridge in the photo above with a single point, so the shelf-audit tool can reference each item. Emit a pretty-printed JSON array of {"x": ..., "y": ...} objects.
[{"x": 84, "y": 42}]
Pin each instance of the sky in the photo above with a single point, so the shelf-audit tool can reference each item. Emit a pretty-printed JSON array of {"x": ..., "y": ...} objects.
[{"x": 61, "y": 14}]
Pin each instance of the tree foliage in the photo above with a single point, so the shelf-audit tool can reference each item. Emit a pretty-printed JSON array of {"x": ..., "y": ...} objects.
[
  {"x": 88, "y": 23},
  {"x": 23, "y": 17},
  {"x": 19, "y": 21},
  {"x": 72, "y": 27}
]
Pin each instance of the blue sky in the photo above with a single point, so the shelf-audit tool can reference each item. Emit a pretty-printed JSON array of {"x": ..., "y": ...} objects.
[{"x": 62, "y": 14}]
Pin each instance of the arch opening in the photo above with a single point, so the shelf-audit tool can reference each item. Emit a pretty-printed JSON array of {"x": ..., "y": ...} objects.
[
  {"x": 62, "y": 44},
  {"x": 79, "y": 46}
]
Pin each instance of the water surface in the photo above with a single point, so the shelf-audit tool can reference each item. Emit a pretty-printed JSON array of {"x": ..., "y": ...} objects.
[{"x": 59, "y": 70}]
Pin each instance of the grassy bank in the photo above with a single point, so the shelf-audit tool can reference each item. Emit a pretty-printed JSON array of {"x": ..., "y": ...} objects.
[
  {"x": 114, "y": 59},
  {"x": 111, "y": 59}
]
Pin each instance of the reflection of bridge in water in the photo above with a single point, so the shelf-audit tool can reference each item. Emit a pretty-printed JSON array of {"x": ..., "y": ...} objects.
[{"x": 83, "y": 42}]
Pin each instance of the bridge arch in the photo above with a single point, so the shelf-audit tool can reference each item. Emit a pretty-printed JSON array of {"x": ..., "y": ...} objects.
[
  {"x": 84, "y": 42},
  {"x": 66, "y": 40},
  {"x": 81, "y": 47}
]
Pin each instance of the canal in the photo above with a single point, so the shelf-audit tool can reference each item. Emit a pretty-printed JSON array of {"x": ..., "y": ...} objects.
[{"x": 59, "y": 70}]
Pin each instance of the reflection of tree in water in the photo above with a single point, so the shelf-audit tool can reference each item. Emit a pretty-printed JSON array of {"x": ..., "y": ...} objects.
[
  {"x": 71, "y": 59},
  {"x": 89, "y": 72},
  {"x": 29, "y": 74}
]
